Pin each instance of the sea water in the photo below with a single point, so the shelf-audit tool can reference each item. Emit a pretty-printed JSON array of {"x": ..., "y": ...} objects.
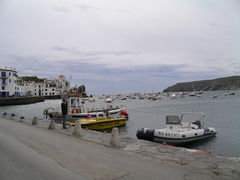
[{"x": 222, "y": 113}]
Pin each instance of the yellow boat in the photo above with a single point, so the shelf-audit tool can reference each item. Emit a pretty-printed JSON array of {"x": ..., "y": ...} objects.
[{"x": 101, "y": 123}]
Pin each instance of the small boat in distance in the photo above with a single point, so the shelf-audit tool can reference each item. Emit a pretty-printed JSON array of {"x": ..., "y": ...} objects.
[
  {"x": 178, "y": 132},
  {"x": 214, "y": 96},
  {"x": 108, "y": 100}
]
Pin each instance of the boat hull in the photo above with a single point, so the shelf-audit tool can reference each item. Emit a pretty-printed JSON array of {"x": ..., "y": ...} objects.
[
  {"x": 105, "y": 124},
  {"x": 150, "y": 135},
  {"x": 178, "y": 141},
  {"x": 58, "y": 117},
  {"x": 100, "y": 124}
]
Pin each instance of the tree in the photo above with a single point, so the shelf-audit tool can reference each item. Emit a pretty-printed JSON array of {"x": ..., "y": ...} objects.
[
  {"x": 81, "y": 89},
  {"x": 31, "y": 78}
]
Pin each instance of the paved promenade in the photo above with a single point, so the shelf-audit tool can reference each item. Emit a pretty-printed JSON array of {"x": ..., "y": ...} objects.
[{"x": 34, "y": 152}]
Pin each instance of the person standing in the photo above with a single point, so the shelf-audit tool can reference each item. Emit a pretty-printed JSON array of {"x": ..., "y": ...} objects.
[{"x": 64, "y": 107}]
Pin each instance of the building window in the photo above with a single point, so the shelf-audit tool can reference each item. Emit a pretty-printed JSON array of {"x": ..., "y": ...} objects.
[
  {"x": 9, "y": 80},
  {"x": 45, "y": 89},
  {"x": 35, "y": 94},
  {"x": 53, "y": 89},
  {"x": 4, "y": 81},
  {"x": 52, "y": 93},
  {"x": 3, "y": 88},
  {"x": 46, "y": 94},
  {"x": 9, "y": 73},
  {"x": 3, "y": 74}
]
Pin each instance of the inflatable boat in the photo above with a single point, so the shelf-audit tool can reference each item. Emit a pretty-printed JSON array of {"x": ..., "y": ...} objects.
[{"x": 177, "y": 131}]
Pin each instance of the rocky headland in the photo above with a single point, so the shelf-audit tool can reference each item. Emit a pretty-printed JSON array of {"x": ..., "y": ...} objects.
[{"x": 230, "y": 83}]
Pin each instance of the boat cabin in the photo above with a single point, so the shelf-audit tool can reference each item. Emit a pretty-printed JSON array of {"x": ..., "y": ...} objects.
[
  {"x": 75, "y": 105},
  {"x": 175, "y": 123}
]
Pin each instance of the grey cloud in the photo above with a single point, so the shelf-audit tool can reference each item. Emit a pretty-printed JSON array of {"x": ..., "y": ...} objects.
[
  {"x": 127, "y": 60},
  {"x": 99, "y": 78},
  {"x": 41, "y": 66},
  {"x": 62, "y": 9},
  {"x": 85, "y": 7},
  {"x": 93, "y": 53},
  {"x": 58, "y": 48}
]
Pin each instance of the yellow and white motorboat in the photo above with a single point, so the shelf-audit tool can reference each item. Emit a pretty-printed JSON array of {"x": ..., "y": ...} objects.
[{"x": 101, "y": 123}]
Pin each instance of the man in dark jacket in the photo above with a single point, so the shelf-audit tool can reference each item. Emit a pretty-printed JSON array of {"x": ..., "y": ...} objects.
[{"x": 64, "y": 107}]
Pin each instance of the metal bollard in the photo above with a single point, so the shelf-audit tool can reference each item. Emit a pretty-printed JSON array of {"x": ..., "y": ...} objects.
[
  {"x": 114, "y": 140},
  {"x": 35, "y": 121},
  {"x": 77, "y": 129},
  {"x": 4, "y": 114},
  {"x": 51, "y": 125},
  {"x": 12, "y": 116},
  {"x": 21, "y": 118}
]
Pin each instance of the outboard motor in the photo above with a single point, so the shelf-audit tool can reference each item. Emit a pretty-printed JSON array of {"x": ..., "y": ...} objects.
[
  {"x": 198, "y": 123},
  {"x": 146, "y": 134}
]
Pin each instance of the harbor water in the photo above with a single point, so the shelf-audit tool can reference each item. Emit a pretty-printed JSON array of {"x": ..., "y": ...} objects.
[{"x": 222, "y": 113}]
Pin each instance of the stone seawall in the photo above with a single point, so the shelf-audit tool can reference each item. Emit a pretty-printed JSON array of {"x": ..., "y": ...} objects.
[
  {"x": 53, "y": 97},
  {"x": 20, "y": 100}
]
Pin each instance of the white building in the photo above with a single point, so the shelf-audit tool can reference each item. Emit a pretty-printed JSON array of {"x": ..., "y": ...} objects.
[
  {"x": 9, "y": 83},
  {"x": 28, "y": 87},
  {"x": 62, "y": 84},
  {"x": 48, "y": 87}
]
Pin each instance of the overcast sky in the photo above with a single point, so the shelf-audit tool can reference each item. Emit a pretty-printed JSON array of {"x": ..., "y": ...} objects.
[{"x": 117, "y": 46}]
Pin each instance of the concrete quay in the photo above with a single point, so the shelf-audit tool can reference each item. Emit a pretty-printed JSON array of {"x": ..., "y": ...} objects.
[{"x": 34, "y": 150}]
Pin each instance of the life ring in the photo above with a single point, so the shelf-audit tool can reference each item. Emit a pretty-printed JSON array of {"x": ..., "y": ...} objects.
[{"x": 75, "y": 110}]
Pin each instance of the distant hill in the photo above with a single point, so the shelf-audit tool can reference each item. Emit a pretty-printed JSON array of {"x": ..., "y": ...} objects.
[{"x": 232, "y": 83}]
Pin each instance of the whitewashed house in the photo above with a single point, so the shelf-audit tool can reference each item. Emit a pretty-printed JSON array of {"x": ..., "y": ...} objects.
[
  {"x": 9, "y": 83},
  {"x": 11, "y": 86},
  {"x": 49, "y": 87}
]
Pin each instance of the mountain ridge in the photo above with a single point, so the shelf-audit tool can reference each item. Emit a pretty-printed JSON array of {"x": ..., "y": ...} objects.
[{"x": 231, "y": 82}]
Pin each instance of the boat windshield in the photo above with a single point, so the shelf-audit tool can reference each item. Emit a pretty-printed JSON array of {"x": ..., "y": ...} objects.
[
  {"x": 192, "y": 116},
  {"x": 172, "y": 119},
  {"x": 74, "y": 102}
]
